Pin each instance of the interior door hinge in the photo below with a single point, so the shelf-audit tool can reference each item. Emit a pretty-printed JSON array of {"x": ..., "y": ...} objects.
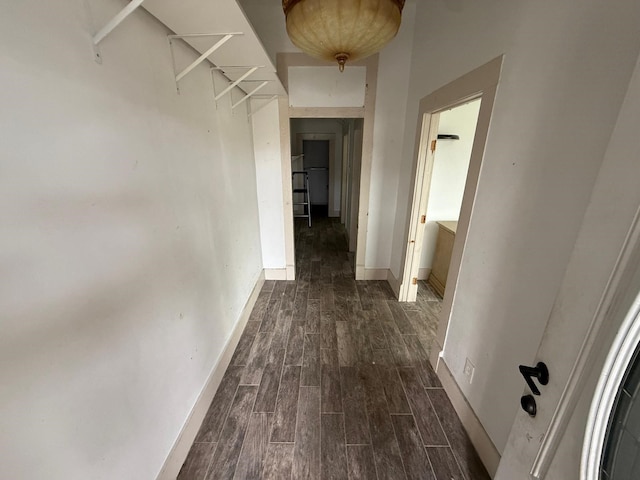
[
  {"x": 433, "y": 145},
  {"x": 423, "y": 219},
  {"x": 414, "y": 280}
]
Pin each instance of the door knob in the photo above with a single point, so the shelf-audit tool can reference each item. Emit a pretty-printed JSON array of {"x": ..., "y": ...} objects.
[{"x": 539, "y": 372}]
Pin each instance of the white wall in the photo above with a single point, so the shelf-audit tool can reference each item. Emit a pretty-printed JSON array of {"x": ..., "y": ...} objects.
[
  {"x": 266, "y": 145},
  {"x": 612, "y": 206},
  {"x": 389, "y": 127},
  {"x": 449, "y": 175},
  {"x": 327, "y": 87},
  {"x": 130, "y": 242},
  {"x": 565, "y": 73}
]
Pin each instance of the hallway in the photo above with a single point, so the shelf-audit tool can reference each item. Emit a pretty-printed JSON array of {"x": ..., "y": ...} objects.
[{"x": 331, "y": 380}]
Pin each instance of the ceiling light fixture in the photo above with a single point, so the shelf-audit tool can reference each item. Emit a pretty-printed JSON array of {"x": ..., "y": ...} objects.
[{"x": 342, "y": 30}]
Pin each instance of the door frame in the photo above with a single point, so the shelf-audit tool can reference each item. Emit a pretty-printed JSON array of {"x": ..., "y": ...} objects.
[{"x": 479, "y": 83}]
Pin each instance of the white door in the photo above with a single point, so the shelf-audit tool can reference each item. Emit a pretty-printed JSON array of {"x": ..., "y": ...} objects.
[{"x": 600, "y": 279}]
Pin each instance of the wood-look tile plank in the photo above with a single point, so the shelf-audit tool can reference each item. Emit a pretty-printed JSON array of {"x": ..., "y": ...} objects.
[
  {"x": 346, "y": 307},
  {"x": 284, "y": 420},
  {"x": 316, "y": 266},
  {"x": 269, "y": 385},
  {"x": 278, "y": 289},
  {"x": 400, "y": 317},
  {"x": 360, "y": 341},
  {"x": 375, "y": 332},
  {"x": 383, "y": 313},
  {"x": 295, "y": 344},
  {"x": 354, "y": 404},
  {"x": 311, "y": 361},
  {"x": 254, "y": 447},
  {"x": 397, "y": 346},
  {"x": 425, "y": 416},
  {"x": 228, "y": 450},
  {"x": 444, "y": 463},
  {"x": 260, "y": 307},
  {"x": 328, "y": 338},
  {"x": 360, "y": 463},
  {"x": 197, "y": 462},
  {"x": 328, "y": 298},
  {"x": 461, "y": 445},
  {"x": 306, "y": 452},
  {"x": 346, "y": 348},
  {"x": 257, "y": 359},
  {"x": 288, "y": 296},
  {"x": 329, "y": 356},
  {"x": 386, "y": 451},
  {"x": 300, "y": 303},
  {"x": 313, "y": 316},
  {"x": 243, "y": 349},
  {"x": 281, "y": 330},
  {"x": 325, "y": 274},
  {"x": 366, "y": 299},
  {"x": 333, "y": 463},
  {"x": 217, "y": 413},
  {"x": 415, "y": 349},
  {"x": 268, "y": 286},
  {"x": 271, "y": 315},
  {"x": 278, "y": 461},
  {"x": 384, "y": 358},
  {"x": 393, "y": 389},
  {"x": 414, "y": 456},
  {"x": 315, "y": 290},
  {"x": 330, "y": 388},
  {"x": 345, "y": 288}
]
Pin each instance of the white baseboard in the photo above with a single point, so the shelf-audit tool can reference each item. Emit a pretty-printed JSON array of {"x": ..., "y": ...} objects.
[
  {"x": 187, "y": 435},
  {"x": 423, "y": 273},
  {"x": 275, "y": 273},
  {"x": 484, "y": 446},
  {"x": 393, "y": 282},
  {"x": 375, "y": 273},
  {"x": 291, "y": 272}
]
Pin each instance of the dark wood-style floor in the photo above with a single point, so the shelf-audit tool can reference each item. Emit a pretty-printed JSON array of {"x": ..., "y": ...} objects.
[{"x": 331, "y": 380}]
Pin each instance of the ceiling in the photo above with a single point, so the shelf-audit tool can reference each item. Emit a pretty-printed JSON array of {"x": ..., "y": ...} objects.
[{"x": 262, "y": 23}]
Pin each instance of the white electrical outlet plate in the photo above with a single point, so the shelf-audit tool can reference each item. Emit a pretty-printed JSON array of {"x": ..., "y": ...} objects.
[{"x": 469, "y": 370}]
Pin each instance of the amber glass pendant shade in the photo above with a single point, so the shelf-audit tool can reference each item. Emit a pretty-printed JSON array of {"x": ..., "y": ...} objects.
[{"x": 342, "y": 30}]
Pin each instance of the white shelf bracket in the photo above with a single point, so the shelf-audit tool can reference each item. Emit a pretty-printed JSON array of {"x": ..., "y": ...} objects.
[
  {"x": 250, "y": 94},
  {"x": 111, "y": 25},
  {"x": 225, "y": 38},
  {"x": 269, "y": 100},
  {"x": 235, "y": 83}
]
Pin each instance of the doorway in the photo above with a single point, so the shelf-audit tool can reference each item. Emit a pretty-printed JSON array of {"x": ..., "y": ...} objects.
[
  {"x": 328, "y": 151},
  {"x": 442, "y": 184}
]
